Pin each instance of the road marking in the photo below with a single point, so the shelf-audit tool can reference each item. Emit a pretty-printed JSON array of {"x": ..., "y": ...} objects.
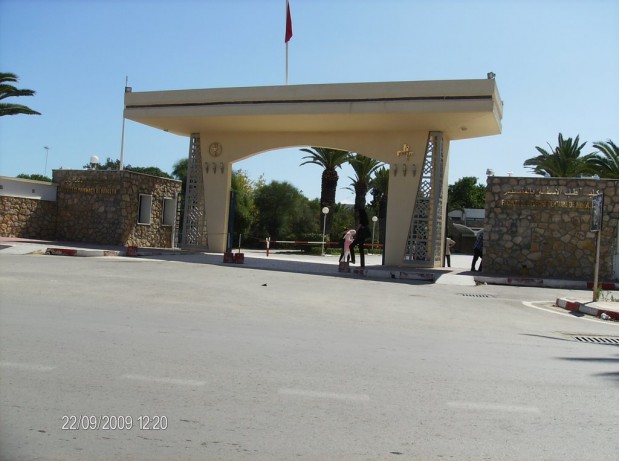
[
  {"x": 155, "y": 379},
  {"x": 486, "y": 406},
  {"x": 324, "y": 395},
  {"x": 563, "y": 312},
  {"x": 26, "y": 366}
]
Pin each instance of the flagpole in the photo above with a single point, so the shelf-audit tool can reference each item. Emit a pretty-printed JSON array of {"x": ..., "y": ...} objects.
[
  {"x": 288, "y": 35},
  {"x": 286, "y": 13},
  {"x": 122, "y": 138},
  {"x": 286, "y": 63}
]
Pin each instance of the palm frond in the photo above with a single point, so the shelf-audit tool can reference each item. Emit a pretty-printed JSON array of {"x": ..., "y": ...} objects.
[
  {"x": 564, "y": 160},
  {"x": 606, "y": 161},
  {"x": 329, "y": 159},
  {"x": 7, "y": 77},
  {"x": 16, "y": 109},
  {"x": 9, "y": 91}
]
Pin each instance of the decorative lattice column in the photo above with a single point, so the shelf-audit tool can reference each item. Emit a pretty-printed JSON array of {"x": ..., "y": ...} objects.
[
  {"x": 424, "y": 243},
  {"x": 194, "y": 228}
]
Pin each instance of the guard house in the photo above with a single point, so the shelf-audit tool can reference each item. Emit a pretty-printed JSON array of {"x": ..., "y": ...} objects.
[
  {"x": 116, "y": 208},
  {"x": 407, "y": 125},
  {"x": 94, "y": 206}
]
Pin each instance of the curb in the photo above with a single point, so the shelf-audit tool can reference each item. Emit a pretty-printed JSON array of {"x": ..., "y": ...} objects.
[
  {"x": 604, "y": 286},
  {"x": 99, "y": 253},
  {"x": 394, "y": 274},
  {"x": 84, "y": 253},
  {"x": 577, "y": 306},
  {"x": 425, "y": 276},
  {"x": 535, "y": 282}
]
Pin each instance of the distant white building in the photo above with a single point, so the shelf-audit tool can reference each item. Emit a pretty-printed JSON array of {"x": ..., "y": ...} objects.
[
  {"x": 27, "y": 188},
  {"x": 469, "y": 217}
]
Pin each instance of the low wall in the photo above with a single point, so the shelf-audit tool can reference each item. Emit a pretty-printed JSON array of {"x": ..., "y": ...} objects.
[
  {"x": 98, "y": 206},
  {"x": 542, "y": 227},
  {"x": 89, "y": 206},
  {"x": 27, "y": 218}
]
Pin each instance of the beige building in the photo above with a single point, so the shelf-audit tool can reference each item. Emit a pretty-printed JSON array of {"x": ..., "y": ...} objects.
[
  {"x": 407, "y": 125},
  {"x": 28, "y": 208}
]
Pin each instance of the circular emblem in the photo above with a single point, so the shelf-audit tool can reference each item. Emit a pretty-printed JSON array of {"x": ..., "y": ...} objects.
[{"x": 215, "y": 149}]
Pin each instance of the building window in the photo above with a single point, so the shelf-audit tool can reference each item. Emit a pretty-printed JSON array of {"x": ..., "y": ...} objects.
[
  {"x": 145, "y": 208},
  {"x": 169, "y": 212}
]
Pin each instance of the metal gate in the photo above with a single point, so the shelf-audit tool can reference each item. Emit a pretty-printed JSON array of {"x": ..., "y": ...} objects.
[
  {"x": 424, "y": 243},
  {"x": 194, "y": 228}
]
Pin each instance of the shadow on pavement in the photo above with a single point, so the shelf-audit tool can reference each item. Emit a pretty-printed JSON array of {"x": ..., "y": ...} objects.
[{"x": 300, "y": 264}]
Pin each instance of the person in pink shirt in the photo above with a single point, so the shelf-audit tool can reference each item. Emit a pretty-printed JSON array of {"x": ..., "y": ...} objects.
[{"x": 349, "y": 237}]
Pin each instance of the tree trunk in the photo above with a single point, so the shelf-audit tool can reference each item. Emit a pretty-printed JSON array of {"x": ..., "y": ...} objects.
[
  {"x": 361, "y": 190},
  {"x": 327, "y": 197}
]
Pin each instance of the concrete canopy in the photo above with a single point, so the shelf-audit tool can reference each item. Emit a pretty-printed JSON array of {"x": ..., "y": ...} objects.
[
  {"x": 460, "y": 109},
  {"x": 407, "y": 125}
]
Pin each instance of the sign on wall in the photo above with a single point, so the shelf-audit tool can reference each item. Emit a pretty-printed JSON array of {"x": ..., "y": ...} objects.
[{"x": 597, "y": 208}]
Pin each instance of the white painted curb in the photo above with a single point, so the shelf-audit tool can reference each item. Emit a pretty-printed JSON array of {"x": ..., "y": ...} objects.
[{"x": 584, "y": 308}]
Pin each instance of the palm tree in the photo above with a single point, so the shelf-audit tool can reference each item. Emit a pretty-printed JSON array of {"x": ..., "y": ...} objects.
[
  {"x": 330, "y": 160},
  {"x": 607, "y": 166},
  {"x": 379, "y": 188},
  {"x": 363, "y": 167},
  {"x": 380, "y": 192},
  {"x": 563, "y": 161},
  {"x": 7, "y": 91}
]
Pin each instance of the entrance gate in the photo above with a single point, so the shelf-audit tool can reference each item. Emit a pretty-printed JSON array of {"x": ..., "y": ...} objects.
[{"x": 406, "y": 125}]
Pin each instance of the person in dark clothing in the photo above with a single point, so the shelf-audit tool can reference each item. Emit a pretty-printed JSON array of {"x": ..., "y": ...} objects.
[
  {"x": 478, "y": 250},
  {"x": 363, "y": 233}
]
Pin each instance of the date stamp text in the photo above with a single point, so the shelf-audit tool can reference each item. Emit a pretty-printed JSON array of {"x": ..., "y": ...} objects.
[{"x": 114, "y": 423}]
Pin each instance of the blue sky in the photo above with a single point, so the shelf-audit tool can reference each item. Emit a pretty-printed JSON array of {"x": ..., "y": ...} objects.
[{"x": 555, "y": 62}]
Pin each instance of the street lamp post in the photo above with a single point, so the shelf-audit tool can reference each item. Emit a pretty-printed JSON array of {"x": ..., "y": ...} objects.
[
  {"x": 597, "y": 210},
  {"x": 374, "y": 219},
  {"x": 325, "y": 211},
  {"x": 46, "y": 155}
]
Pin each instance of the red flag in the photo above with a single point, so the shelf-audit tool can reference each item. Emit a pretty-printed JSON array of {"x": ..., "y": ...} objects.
[{"x": 288, "y": 23}]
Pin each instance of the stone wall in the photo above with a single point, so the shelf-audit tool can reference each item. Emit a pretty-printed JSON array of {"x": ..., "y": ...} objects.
[
  {"x": 88, "y": 206},
  {"x": 27, "y": 218},
  {"x": 155, "y": 234},
  {"x": 102, "y": 207},
  {"x": 542, "y": 227}
]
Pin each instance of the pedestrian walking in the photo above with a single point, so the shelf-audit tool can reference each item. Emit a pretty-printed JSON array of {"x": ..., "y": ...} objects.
[
  {"x": 478, "y": 250},
  {"x": 449, "y": 243}
]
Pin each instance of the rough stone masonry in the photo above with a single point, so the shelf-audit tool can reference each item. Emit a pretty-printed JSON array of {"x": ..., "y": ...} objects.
[{"x": 542, "y": 227}]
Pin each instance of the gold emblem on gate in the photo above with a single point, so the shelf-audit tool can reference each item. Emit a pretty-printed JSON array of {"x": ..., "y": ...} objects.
[{"x": 406, "y": 151}]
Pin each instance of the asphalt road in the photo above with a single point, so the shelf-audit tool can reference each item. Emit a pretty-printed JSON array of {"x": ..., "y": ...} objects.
[{"x": 242, "y": 363}]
